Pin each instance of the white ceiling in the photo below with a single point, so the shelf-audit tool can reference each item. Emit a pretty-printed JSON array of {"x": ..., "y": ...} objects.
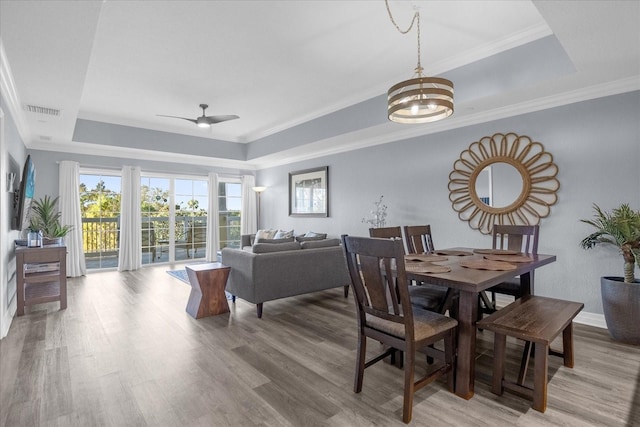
[{"x": 278, "y": 64}]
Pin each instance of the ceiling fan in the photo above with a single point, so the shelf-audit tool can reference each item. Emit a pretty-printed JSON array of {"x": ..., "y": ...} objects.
[{"x": 204, "y": 121}]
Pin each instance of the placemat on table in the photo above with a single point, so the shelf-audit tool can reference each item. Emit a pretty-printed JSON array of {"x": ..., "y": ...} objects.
[
  {"x": 426, "y": 267},
  {"x": 424, "y": 258},
  {"x": 495, "y": 252},
  {"x": 509, "y": 258},
  {"x": 453, "y": 253},
  {"x": 487, "y": 264}
]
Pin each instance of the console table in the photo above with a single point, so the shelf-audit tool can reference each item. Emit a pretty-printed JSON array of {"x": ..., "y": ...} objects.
[
  {"x": 207, "y": 296},
  {"x": 41, "y": 275}
]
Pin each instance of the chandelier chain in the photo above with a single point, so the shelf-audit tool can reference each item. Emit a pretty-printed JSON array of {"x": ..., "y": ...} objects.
[{"x": 416, "y": 20}]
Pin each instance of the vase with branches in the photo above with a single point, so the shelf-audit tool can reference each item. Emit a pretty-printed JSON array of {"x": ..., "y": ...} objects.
[{"x": 378, "y": 215}]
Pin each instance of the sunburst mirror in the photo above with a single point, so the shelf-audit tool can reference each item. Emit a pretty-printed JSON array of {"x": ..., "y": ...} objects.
[{"x": 503, "y": 179}]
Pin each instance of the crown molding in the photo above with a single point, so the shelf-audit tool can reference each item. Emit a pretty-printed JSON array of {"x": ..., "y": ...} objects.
[
  {"x": 139, "y": 154},
  {"x": 10, "y": 94},
  {"x": 376, "y": 135},
  {"x": 388, "y": 132}
]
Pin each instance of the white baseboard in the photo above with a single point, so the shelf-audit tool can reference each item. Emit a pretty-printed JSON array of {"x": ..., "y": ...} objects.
[
  {"x": 591, "y": 319},
  {"x": 8, "y": 318}
]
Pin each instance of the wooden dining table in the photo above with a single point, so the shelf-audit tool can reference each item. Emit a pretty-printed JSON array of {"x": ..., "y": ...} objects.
[{"x": 469, "y": 282}]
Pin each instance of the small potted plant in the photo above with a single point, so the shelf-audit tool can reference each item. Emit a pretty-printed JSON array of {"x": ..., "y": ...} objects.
[
  {"x": 46, "y": 218},
  {"x": 620, "y": 295}
]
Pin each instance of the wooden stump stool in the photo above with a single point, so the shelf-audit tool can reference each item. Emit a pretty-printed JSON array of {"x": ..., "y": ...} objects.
[
  {"x": 537, "y": 320},
  {"x": 207, "y": 297}
]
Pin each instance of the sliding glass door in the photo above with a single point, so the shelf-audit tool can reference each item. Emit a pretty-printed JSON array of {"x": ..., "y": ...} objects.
[
  {"x": 100, "y": 211},
  {"x": 174, "y": 218},
  {"x": 174, "y": 214}
]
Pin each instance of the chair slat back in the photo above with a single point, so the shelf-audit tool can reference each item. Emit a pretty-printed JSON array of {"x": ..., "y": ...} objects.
[
  {"x": 378, "y": 279},
  {"x": 521, "y": 238},
  {"x": 386, "y": 232},
  {"x": 418, "y": 239}
]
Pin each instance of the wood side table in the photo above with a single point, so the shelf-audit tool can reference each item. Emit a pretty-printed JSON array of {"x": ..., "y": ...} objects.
[
  {"x": 207, "y": 296},
  {"x": 41, "y": 276}
]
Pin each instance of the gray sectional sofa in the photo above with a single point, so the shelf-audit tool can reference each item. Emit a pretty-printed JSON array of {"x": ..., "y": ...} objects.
[{"x": 267, "y": 271}]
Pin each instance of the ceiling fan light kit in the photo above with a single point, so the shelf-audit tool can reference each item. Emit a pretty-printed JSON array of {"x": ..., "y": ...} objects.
[
  {"x": 205, "y": 121},
  {"x": 420, "y": 99}
]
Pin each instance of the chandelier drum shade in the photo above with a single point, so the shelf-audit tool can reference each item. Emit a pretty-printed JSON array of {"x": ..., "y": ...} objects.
[{"x": 420, "y": 99}]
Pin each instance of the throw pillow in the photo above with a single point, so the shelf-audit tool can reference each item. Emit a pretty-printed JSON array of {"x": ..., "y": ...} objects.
[
  {"x": 325, "y": 243},
  {"x": 281, "y": 234},
  {"x": 264, "y": 234},
  {"x": 263, "y": 248},
  {"x": 310, "y": 236},
  {"x": 313, "y": 234}
]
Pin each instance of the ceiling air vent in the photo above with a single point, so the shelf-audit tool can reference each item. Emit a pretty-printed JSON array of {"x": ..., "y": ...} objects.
[{"x": 43, "y": 110}]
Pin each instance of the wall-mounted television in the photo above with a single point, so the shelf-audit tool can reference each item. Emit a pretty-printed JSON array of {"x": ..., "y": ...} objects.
[{"x": 24, "y": 195}]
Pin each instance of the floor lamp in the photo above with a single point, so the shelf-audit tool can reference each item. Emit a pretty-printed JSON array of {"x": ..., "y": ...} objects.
[{"x": 258, "y": 190}]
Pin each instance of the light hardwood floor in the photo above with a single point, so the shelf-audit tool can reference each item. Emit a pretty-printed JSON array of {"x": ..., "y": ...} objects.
[{"x": 125, "y": 352}]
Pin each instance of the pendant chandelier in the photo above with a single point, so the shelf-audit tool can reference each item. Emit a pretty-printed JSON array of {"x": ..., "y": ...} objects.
[{"x": 420, "y": 99}]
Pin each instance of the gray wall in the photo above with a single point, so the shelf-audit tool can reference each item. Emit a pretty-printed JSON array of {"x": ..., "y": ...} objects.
[
  {"x": 13, "y": 155},
  {"x": 595, "y": 144}
]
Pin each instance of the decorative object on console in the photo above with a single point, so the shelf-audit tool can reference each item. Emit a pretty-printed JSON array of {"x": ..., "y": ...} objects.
[
  {"x": 620, "y": 296},
  {"x": 420, "y": 99},
  {"x": 45, "y": 217},
  {"x": 378, "y": 217},
  {"x": 523, "y": 162},
  {"x": 309, "y": 192}
]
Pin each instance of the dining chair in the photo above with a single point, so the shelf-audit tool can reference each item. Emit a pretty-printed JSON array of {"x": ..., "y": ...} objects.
[
  {"x": 428, "y": 297},
  {"x": 384, "y": 311},
  {"x": 418, "y": 240},
  {"x": 520, "y": 238}
]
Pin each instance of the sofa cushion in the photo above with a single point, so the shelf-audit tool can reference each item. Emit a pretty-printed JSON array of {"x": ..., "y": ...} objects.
[
  {"x": 274, "y": 241},
  {"x": 325, "y": 243},
  {"x": 282, "y": 234},
  {"x": 263, "y": 248}
]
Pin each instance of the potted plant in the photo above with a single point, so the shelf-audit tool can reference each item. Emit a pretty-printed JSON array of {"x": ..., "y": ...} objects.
[
  {"x": 46, "y": 218},
  {"x": 620, "y": 295}
]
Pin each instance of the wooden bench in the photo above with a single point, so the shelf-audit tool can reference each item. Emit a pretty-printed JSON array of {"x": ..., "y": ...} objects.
[{"x": 537, "y": 320}]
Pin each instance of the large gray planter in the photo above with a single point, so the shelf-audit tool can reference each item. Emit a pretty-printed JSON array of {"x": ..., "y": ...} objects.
[{"x": 621, "y": 304}]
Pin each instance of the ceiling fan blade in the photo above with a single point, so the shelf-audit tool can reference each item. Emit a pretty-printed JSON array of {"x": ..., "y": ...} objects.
[
  {"x": 176, "y": 117},
  {"x": 218, "y": 119}
]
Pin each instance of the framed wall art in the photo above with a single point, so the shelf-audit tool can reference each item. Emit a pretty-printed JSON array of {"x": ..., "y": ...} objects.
[{"x": 309, "y": 192}]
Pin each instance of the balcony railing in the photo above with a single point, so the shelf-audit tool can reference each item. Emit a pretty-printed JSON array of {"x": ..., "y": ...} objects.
[{"x": 101, "y": 238}]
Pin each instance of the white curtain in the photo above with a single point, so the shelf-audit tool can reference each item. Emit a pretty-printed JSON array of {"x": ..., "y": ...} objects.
[
  {"x": 248, "y": 218},
  {"x": 213, "y": 226},
  {"x": 69, "y": 205},
  {"x": 130, "y": 254}
]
